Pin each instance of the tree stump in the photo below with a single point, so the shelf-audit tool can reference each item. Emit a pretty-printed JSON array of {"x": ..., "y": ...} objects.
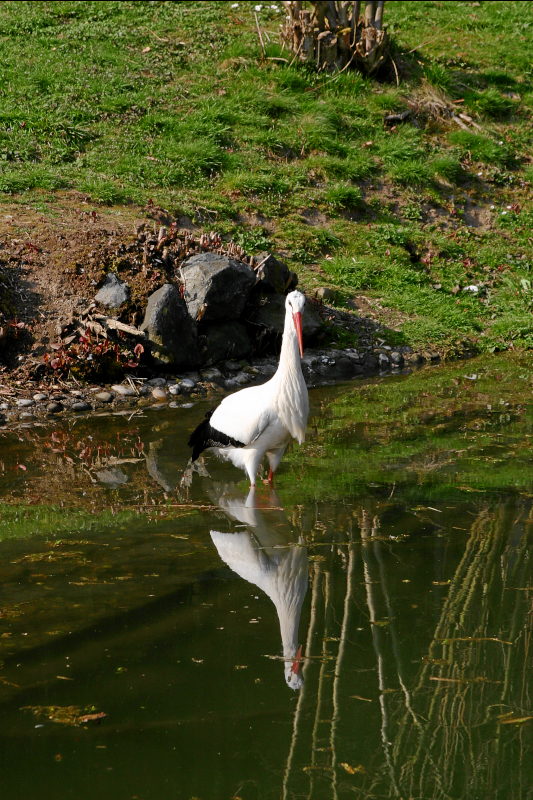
[{"x": 334, "y": 35}]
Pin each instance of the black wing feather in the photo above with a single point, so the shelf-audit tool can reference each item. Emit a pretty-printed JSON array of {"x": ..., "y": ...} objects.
[{"x": 206, "y": 436}]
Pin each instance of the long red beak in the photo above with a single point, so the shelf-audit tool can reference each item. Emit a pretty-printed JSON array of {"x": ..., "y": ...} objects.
[
  {"x": 297, "y": 317},
  {"x": 297, "y": 663}
]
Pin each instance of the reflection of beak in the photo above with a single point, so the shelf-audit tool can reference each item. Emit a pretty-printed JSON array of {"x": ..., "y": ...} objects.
[
  {"x": 297, "y": 663},
  {"x": 297, "y": 317}
]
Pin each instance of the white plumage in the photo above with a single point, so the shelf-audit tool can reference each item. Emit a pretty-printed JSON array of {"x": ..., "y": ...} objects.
[
  {"x": 265, "y": 556},
  {"x": 261, "y": 420}
]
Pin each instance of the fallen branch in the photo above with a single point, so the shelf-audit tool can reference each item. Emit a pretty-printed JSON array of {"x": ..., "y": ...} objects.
[{"x": 114, "y": 324}]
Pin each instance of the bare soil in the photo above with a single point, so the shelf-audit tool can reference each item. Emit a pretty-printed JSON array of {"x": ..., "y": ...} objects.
[{"x": 51, "y": 263}]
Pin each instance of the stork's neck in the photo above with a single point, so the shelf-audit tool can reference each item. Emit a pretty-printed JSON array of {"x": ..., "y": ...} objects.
[
  {"x": 289, "y": 622},
  {"x": 289, "y": 357}
]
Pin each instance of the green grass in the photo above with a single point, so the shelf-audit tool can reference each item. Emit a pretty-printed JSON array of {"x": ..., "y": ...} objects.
[{"x": 128, "y": 102}]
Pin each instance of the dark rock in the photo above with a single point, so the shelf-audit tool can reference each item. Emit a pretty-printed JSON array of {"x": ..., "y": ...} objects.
[
  {"x": 216, "y": 287},
  {"x": 170, "y": 329},
  {"x": 222, "y": 341},
  {"x": 273, "y": 275},
  {"x": 270, "y": 314},
  {"x": 370, "y": 363},
  {"x": 326, "y": 294},
  {"x": 81, "y": 405},
  {"x": 54, "y": 407},
  {"x": 113, "y": 292},
  {"x": 345, "y": 367}
]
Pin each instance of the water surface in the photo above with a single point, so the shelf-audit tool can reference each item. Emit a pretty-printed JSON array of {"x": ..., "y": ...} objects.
[{"x": 143, "y": 624}]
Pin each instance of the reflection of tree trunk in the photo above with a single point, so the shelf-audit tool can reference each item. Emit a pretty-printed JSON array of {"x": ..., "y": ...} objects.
[
  {"x": 468, "y": 652},
  {"x": 348, "y": 602},
  {"x": 321, "y": 711},
  {"x": 368, "y": 528},
  {"x": 333, "y": 35},
  {"x": 441, "y": 735}
]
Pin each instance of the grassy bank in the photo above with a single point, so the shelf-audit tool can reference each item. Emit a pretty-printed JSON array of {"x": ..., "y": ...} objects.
[{"x": 175, "y": 104}]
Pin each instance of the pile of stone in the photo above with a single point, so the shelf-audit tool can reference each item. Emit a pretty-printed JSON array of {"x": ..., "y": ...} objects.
[{"x": 216, "y": 307}]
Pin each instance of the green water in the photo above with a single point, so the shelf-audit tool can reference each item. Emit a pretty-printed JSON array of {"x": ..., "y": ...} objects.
[{"x": 396, "y": 548}]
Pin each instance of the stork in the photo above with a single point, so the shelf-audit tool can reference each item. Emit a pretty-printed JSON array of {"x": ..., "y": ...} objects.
[
  {"x": 265, "y": 556},
  {"x": 261, "y": 420}
]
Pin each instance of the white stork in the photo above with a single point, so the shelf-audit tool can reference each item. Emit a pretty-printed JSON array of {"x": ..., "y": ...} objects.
[
  {"x": 265, "y": 556},
  {"x": 261, "y": 420}
]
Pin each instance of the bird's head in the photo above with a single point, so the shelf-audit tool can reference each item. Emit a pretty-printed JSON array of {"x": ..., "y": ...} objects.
[
  {"x": 295, "y": 303},
  {"x": 293, "y": 671}
]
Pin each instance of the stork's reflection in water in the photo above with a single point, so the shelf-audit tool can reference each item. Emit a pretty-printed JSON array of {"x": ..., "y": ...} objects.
[{"x": 269, "y": 554}]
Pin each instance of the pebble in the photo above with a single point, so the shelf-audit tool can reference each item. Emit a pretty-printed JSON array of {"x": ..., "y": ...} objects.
[
  {"x": 384, "y": 360},
  {"x": 81, "y": 405},
  {"x": 4, "y": 406},
  {"x": 123, "y": 390},
  {"x": 211, "y": 374},
  {"x": 187, "y": 384},
  {"x": 54, "y": 407},
  {"x": 24, "y": 415},
  {"x": 158, "y": 393},
  {"x": 156, "y": 382},
  {"x": 104, "y": 397},
  {"x": 325, "y": 293},
  {"x": 24, "y": 402},
  {"x": 396, "y": 359},
  {"x": 39, "y": 397},
  {"x": 174, "y": 388},
  {"x": 238, "y": 380},
  {"x": 76, "y": 393}
]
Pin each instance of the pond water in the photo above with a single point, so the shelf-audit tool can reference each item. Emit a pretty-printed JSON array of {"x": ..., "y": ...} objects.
[{"x": 150, "y": 632}]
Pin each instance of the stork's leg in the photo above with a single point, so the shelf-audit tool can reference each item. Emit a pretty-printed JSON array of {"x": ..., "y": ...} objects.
[{"x": 274, "y": 457}]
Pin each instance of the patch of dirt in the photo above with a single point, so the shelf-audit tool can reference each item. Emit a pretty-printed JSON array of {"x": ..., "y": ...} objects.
[
  {"x": 477, "y": 216},
  {"x": 371, "y": 309},
  {"x": 54, "y": 262}
]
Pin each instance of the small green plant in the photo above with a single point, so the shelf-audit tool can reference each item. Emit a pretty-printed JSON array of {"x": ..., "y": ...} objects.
[
  {"x": 448, "y": 167},
  {"x": 412, "y": 211},
  {"x": 493, "y": 104},
  {"x": 411, "y": 173},
  {"x": 438, "y": 75},
  {"x": 104, "y": 191},
  {"x": 252, "y": 240},
  {"x": 344, "y": 196},
  {"x": 481, "y": 148}
]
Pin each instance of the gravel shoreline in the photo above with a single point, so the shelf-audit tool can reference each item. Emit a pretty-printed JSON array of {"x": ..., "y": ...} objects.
[{"x": 32, "y": 402}]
